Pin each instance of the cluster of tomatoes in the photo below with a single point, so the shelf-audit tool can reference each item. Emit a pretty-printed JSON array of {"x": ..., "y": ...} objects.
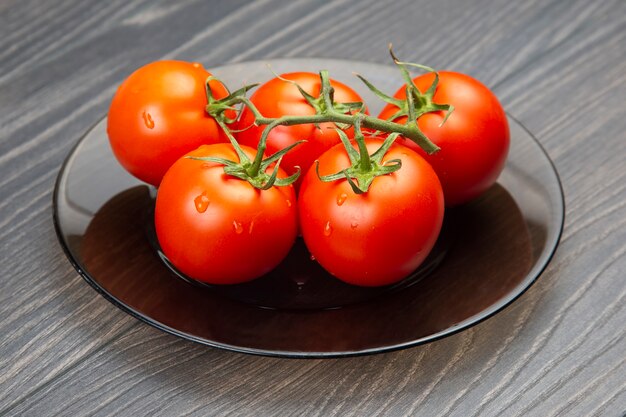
[{"x": 369, "y": 204}]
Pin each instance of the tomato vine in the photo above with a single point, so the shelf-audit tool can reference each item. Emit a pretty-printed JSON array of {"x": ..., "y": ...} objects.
[{"x": 343, "y": 115}]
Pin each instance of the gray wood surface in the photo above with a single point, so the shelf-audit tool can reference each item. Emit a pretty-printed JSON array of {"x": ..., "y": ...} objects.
[{"x": 558, "y": 66}]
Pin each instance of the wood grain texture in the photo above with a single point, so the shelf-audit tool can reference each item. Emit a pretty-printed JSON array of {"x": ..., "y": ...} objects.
[{"x": 558, "y": 66}]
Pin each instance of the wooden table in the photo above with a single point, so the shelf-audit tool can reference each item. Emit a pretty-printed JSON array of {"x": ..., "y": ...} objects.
[{"x": 558, "y": 66}]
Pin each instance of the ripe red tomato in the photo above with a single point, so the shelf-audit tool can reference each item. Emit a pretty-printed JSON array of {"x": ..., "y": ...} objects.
[
  {"x": 474, "y": 141},
  {"x": 217, "y": 228},
  {"x": 379, "y": 237},
  {"x": 278, "y": 98},
  {"x": 158, "y": 114}
]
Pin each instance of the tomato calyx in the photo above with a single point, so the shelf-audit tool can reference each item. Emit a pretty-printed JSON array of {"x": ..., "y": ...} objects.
[
  {"x": 416, "y": 103},
  {"x": 364, "y": 168},
  {"x": 219, "y": 108},
  {"x": 255, "y": 171}
]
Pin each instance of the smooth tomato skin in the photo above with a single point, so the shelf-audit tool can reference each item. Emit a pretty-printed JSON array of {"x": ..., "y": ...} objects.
[
  {"x": 474, "y": 141},
  {"x": 217, "y": 228},
  {"x": 158, "y": 114},
  {"x": 379, "y": 237},
  {"x": 277, "y": 98}
]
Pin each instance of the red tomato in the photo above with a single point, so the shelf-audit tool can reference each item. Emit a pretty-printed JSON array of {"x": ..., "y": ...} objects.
[
  {"x": 158, "y": 114},
  {"x": 379, "y": 237},
  {"x": 474, "y": 141},
  {"x": 278, "y": 98},
  {"x": 217, "y": 228}
]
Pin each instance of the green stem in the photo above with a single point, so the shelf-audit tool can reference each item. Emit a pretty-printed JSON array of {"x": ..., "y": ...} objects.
[
  {"x": 409, "y": 131},
  {"x": 243, "y": 158},
  {"x": 365, "y": 164},
  {"x": 327, "y": 92},
  {"x": 364, "y": 168}
]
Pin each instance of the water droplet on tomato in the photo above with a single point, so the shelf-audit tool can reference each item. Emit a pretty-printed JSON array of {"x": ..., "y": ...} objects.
[
  {"x": 312, "y": 257},
  {"x": 353, "y": 224},
  {"x": 328, "y": 230},
  {"x": 251, "y": 227},
  {"x": 288, "y": 203},
  {"x": 196, "y": 65},
  {"x": 202, "y": 202},
  {"x": 341, "y": 198},
  {"x": 238, "y": 227},
  {"x": 147, "y": 119}
]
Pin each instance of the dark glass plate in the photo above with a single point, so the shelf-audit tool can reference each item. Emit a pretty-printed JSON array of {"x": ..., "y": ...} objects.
[{"x": 489, "y": 253}]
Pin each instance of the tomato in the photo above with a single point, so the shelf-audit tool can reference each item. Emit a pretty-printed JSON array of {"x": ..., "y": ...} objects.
[
  {"x": 277, "y": 98},
  {"x": 474, "y": 141},
  {"x": 219, "y": 229},
  {"x": 378, "y": 237},
  {"x": 158, "y": 114}
]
